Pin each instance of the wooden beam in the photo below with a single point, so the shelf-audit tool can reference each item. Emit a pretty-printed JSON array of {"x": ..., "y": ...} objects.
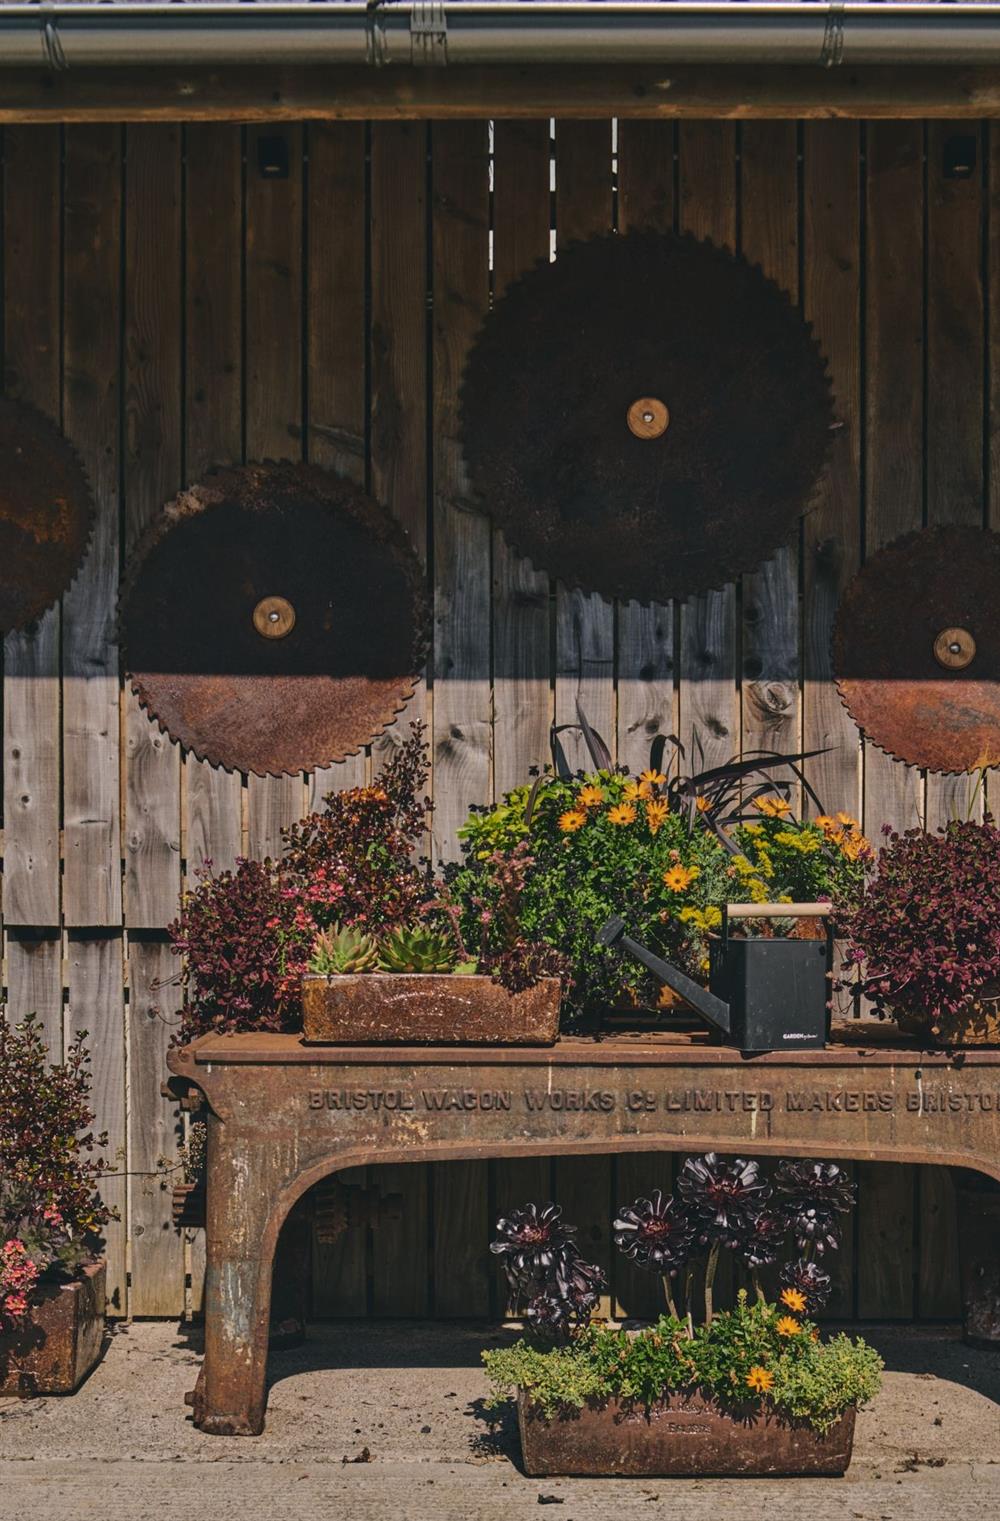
[{"x": 315, "y": 93}]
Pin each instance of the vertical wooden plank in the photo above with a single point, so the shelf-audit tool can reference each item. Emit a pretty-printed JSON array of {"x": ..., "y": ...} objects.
[
  {"x": 157, "y": 1251},
  {"x": 97, "y": 1005},
  {"x": 709, "y": 712},
  {"x": 585, "y": 632},
  {"x": 92, "y": 307},
  {"x": 769, "y": 626},
  {"x": 273, "y": 388},
  {"x": 843, "y": 1300},
  {"x": 647, "y": 694},
  {"x": 152, "y": 475},
  {"x": 336, "y": 271},
  {"x": 885, "y": 1226},
  {"x": 213, "y": 421},
  {"x": 522, "y": 660},
  {"x": 939, "y": 1283},
  {"x": 34, "y": 983},
  {"x": 335, "y": 274},
  {"x": 462, "y": 706},
  {"x": 32, "y": 193},
  {"x": 585, "y": 622},
  {"x": 894, "y": 398},
  {"x": 522, "y": 657},
  {"x": 831, "y": 539},
  {"x": 956, "y": 491},
  {"x": 399, "y": 459}
]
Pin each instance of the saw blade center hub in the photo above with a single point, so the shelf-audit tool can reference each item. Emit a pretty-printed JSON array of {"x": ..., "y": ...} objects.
[
  {"x": 954, "y": 648},
  {"x": 648, "y": 417},
  {"x": 274, "y": 617}
]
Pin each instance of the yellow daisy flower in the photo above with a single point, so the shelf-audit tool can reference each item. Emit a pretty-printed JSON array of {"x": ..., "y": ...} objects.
[
  {"x": 654, "y": 778},
  {"x": 794, "y": 1299},
  {"x": 679, "y": 877},
  {"x": 590, "y": 796},
  {"x": 760, "y": 1380},
  {"x": 571, "y": 820},
  {"x": 788, "y": 1326},
  {"x": 622, "y": 813},
  {"x": 656, "y": 814}
]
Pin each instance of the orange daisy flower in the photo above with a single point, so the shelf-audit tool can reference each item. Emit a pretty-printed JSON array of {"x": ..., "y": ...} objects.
[
  {"x": 631, "y": 791},
  {"x": 788, "y": 1326},
  {"x": 622, "y": 813},
  {"x": 773, "y": 807},
  {"x": 794, "y": 1299},
  {"x": 656, "y": 814},
  {"x": 702, "y": 804},
  {"x": 679, "y": 877},
  {"x": 571, "y": 820},
  {"x": 760, "y": 1380},
  {"x": 654, "y": 778},
  {"x": 590, "y": 796}
]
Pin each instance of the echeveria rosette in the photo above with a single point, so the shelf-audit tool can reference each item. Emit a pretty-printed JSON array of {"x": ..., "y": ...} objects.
[
  {"x": 723, "y": 1197},
  {"x": 810, "y": 1280},
  {"x": 655, "y": 1233},
  {"x": 531, "y": 1241}
]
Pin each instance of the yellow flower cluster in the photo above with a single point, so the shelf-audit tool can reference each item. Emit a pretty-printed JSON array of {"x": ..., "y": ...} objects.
[
  {"x": 751, "y": 878},
  {"x": 704, "y": 919},
  {"x": 806, "y": 842}
]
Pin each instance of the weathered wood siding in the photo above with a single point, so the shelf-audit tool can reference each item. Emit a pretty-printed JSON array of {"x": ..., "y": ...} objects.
[{"x": 174, "y": 309}]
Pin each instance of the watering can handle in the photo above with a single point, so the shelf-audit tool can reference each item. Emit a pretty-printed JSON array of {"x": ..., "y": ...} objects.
[{"x": 779, "y": 910}]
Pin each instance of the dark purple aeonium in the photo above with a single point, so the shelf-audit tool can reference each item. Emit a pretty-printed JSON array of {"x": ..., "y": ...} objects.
[
  {"x": 810, "y": 1280},
  {"x": 655, "y": 1233},
  {"x": 803, "y": 1184},
  {"x": 761, "y": 1242},
  {"x": 569, "y": 1296},
  {"x": 531, "y": 1241},
  {"x": 724, "y": 1197},
  {"x": 817, "y": 1228}
]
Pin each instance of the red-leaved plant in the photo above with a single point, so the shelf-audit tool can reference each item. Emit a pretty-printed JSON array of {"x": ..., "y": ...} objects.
[{"x": 924, "y": 937}]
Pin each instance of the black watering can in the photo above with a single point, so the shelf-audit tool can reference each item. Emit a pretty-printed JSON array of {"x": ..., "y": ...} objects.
[{"x": 765, "y": 994}]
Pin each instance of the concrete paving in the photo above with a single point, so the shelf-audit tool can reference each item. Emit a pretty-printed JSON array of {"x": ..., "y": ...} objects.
[{"x": 383, "y": 1420}]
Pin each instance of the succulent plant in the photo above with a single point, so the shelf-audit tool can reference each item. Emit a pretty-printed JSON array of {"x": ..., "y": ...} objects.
[
  {"x": 761, "y": 1242},
  {"x": 338, "y": 951},
  {"x": 723, "y": 1197},
  {"x": 810, "y": 1280},
  {"x": 417, "y": 949},
  {"x": 817, "y": 1229},
  {"x": 803, "y": 1184},
  {"x": 530, "y": 1241},
  {"x": 568, "y": 1297},
  {"x": 655, "y": 1233}
]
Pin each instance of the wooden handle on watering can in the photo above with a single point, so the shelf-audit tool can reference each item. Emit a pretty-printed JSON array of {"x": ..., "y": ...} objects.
[{"x": 778, "y": 910}]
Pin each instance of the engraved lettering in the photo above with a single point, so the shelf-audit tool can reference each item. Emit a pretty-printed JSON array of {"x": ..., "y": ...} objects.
[{"x": 315, "y": 1098}]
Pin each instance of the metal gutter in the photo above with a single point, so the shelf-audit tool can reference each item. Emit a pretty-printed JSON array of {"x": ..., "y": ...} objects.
[{"x": 484, "y": 32}]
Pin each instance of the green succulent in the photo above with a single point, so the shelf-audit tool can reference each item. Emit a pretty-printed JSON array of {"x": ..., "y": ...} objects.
[
  {"x": 420, "y": 949},
  {"x": 338, "y": 951}
]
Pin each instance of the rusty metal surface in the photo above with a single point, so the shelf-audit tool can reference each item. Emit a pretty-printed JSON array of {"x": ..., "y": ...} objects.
[
  {"x": 685, "y": 1434},
  {"x": 61, "y": 1340},
  {"x": 46, "y": 514},
  {"x": 282, "y": 1116},
  {"x": 252, "y": 539},
  {"x": 440, "y": 1009},
  {"x": 889, "y": 675},
  {"x": 579, "y": 354}
]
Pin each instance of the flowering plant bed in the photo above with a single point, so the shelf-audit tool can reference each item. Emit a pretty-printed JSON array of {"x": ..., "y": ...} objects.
[
  {"x": 749, "y": 1390},
  {"x": 440, "y": 1009},
  {"x": 57, "y": 1341}
]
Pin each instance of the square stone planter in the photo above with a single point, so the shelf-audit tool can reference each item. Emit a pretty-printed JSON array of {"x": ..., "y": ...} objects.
[
  {"x": 412, "y": 1008},
  {"x": 60, "y": 1341},
  {"x": 684, "y": 1435}
]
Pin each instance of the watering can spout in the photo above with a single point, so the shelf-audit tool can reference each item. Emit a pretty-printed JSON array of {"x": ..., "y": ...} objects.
[{"x": 706, "y": 1004}]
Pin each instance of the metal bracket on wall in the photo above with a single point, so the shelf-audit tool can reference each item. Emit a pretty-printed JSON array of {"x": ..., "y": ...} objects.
[{"x": 428, "y": 33}]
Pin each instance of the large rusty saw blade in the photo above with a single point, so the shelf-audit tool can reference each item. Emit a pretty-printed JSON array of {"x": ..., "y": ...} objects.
[
  {"x": 46, "y": 514},
  {"x": 916, "y": 649},
  {"x": 274, "y": 618},
  {"x": 646, "y": 417}
]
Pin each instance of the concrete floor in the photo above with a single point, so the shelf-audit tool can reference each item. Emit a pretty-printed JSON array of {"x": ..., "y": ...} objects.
[{"x": 382, "y": 1421}]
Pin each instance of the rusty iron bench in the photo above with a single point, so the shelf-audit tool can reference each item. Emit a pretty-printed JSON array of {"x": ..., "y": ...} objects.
[{"x": 282, "y": 1115}]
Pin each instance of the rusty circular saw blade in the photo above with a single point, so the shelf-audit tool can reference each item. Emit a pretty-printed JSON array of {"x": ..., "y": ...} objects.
[
  {"x": 545, "y": 403},
  {"x": 46, "y": 514},
  {"x": 891, "y": 681},
  {"x": 274, "y": 706}
]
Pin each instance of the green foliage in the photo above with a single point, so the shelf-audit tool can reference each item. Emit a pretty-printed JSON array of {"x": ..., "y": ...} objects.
[
  {"x": 741, "y": 1359},
  {"x": 342, "y": 949},
  {"x": 420, "y": 949}
]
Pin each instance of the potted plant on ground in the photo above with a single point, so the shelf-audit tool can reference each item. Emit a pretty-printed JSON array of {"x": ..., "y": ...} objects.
[
  {"x": 752, "y": 1389},
  {"x": 924, "y": 937},
  {"x": 52, "y": 1273}
]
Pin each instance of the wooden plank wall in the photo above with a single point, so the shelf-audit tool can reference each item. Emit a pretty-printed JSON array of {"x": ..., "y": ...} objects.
[{"x": 174, "y": 309}]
